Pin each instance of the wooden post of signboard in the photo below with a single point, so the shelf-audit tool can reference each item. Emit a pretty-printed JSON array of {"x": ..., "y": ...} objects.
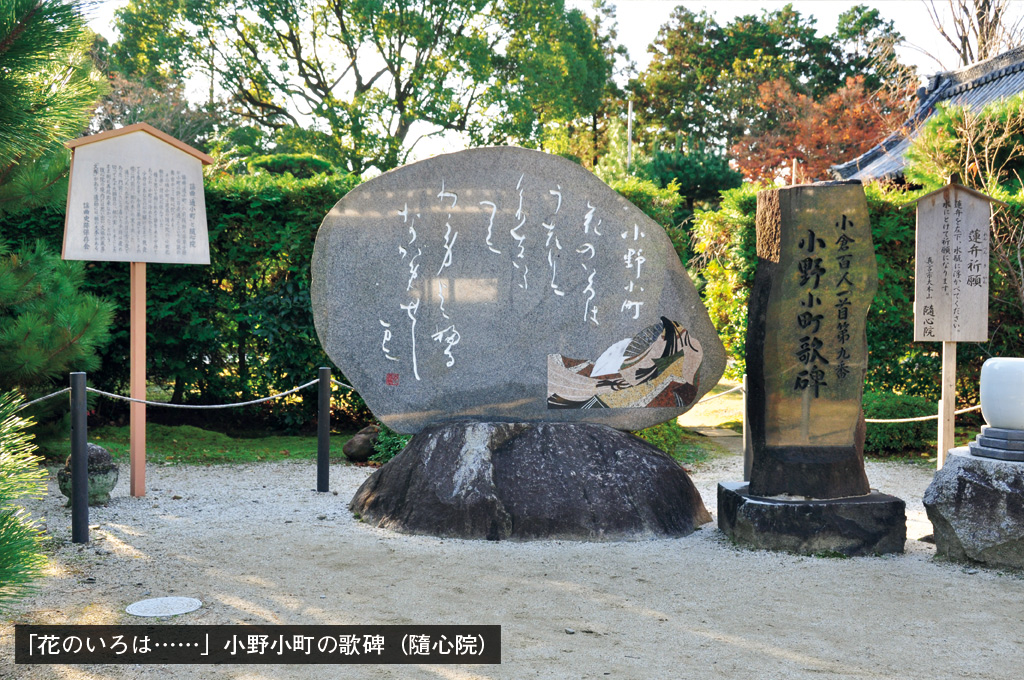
[
  {"x": 951, "y": 284},
  {"x": 137, "y": 380},
  {"x": 136, "y": 195},
  {"x": 947, "y": 404}
]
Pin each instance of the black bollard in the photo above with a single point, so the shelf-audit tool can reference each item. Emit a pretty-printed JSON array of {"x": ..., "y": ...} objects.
[
  {"x": 323, "y": 432},
  {"x": 79, "y": 461}
]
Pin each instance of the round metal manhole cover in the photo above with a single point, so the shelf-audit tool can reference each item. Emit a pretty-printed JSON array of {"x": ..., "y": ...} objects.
[{"x": 164, "y": 606}]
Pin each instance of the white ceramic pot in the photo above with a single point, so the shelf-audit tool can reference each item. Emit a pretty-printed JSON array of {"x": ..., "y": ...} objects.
[{"x": 1002, "y": 392}]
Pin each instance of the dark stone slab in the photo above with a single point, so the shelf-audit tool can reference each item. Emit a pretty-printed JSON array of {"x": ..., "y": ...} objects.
[
  {"x": 976, "y": 506},
  {"x": 1004, "y": 444},
  {"x": 1002, "y": 433},
  {"x": 806, "y": 341},
  {"x": 873, "y": 524},
  {"x": 531, "y": 481},
  {"x": 508, "y": 284},
  {"x": 992, "y": 452}
]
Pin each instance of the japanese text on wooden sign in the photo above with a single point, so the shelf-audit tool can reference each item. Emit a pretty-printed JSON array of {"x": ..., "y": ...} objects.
[{"x": 952, "y": 267}]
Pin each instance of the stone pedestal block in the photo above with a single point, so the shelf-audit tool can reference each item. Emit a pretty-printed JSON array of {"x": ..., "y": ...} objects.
[
  {"x": 531, "y": 481},
  {"x": 976, "y": 506},
  {"x": 859, "y": 525}
]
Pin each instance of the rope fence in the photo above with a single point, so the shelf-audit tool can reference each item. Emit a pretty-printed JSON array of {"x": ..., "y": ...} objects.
[
  {"x": 866, "y": 420},
  {"x": 203, "y": 406},
  {"x": 41, "y": 399}
]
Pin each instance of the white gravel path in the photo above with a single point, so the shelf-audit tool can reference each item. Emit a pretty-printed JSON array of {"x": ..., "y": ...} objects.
[{"x": 257, "y": 545}]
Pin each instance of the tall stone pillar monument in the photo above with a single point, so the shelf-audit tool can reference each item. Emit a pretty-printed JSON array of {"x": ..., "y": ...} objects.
[{"x": 807, "y": 358}]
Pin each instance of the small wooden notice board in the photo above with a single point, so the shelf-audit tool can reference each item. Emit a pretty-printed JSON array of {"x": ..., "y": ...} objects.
[
  {"x": 136, "y": 195},
  {"x": 951, "y": 283}
]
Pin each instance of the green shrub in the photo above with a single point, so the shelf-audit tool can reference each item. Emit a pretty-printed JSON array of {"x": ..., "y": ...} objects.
[
  {"x": 659, "y": 204},
  {"x": 389, "y": 444},
  {"x": 888, "y": 438},
  {"x": 684, "y": 447},
  {"x": 21, "y": 560},
  {"x": 299, "y": 165}
]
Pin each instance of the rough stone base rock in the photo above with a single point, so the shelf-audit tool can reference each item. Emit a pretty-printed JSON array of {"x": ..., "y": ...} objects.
[
  {"x": 360, "y": 447},
  {"x": 874, "y": 524},
  {"x": 976, "y": 506},
  {"x": 496, "y": 481}
]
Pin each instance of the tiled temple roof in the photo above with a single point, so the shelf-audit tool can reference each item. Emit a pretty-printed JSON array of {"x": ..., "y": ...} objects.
[{"x": 974, "y": 86}]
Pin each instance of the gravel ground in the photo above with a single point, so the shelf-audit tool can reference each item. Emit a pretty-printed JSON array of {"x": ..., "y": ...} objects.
[{"x": 256, "y": 544}]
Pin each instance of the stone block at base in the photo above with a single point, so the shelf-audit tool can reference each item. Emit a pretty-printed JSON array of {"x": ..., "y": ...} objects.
[
  {"x": 874, "y": 524},
  {"x": 976, "y": 506}
]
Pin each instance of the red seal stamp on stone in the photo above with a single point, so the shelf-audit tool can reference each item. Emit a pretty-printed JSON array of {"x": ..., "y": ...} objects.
[{"x": 391, "y": 379}]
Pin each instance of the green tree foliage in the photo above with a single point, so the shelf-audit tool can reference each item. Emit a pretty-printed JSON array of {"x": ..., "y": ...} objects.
[
  {"x": 21, "y": 560},
  {"x": 48, "y": 326},
  {"x": 700, "y": 175},
  {"x": 703, "y": 79},
  {"x": 984, "y": 148},
  {"x": 47, "y": 91},
  {"x": 367, "y": 72}
]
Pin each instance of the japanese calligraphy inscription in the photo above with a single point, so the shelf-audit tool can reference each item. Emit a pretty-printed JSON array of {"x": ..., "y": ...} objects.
[
  {"x": 806, "y": 342},
  {"x": 952, "y": 266},
  {"x": 493, "y": 283},
  {"x": 136, "y": 198}
]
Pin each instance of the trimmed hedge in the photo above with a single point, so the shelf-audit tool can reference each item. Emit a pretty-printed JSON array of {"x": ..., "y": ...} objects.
[{"x": 888, "y": 438}]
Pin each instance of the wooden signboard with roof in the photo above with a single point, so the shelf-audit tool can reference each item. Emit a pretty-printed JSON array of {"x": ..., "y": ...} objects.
[
  {"x": 136, "y": 195},
  {"x": 951, "y": 283}
]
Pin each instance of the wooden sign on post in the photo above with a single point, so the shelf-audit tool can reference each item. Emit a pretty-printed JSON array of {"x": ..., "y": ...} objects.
[
  {"x": 951, "y": 283},
  {"x": 136, "y": 195}
]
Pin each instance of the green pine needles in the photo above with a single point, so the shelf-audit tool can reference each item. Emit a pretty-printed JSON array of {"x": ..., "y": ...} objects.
[
  {"x": 48, "y": 90},
  {"x": 21, "y": 559},
  {"x": 48, "y": 326}
]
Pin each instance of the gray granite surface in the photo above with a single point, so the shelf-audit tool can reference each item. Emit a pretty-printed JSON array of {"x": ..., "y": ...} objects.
[
  {"x": 508, "y": 284},
  {"x": 976, "y": 506}
]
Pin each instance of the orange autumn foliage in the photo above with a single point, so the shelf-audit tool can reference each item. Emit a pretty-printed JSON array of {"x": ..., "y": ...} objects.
[{"x": 818, "y": 134}]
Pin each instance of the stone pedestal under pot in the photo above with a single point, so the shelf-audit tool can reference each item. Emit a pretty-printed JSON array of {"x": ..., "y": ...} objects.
[
  {"x": 976, "y": 505},
  {"x": 496, "y": 481}
]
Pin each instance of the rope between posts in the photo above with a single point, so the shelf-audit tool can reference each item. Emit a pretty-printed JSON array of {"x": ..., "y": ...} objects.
[
  {"x": 915, "y": 420},
  {"x": 341, "y": 384},
  {"x": 866, "y": 420},
  {"x": 720, "y": 394},
  {"x": 204, "y": 406},
  {"x": 48, "y": 396}
]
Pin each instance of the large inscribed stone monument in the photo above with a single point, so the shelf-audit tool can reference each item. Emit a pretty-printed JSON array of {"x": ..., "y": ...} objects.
[
  {"x": 506, "y": 284},
  {"x": 807, "y": 358}
]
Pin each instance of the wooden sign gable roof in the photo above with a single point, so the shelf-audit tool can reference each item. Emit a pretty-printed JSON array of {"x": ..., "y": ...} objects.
[
  {"x": 141, "y": 127},
  {"x": 966, "y": 190}
]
